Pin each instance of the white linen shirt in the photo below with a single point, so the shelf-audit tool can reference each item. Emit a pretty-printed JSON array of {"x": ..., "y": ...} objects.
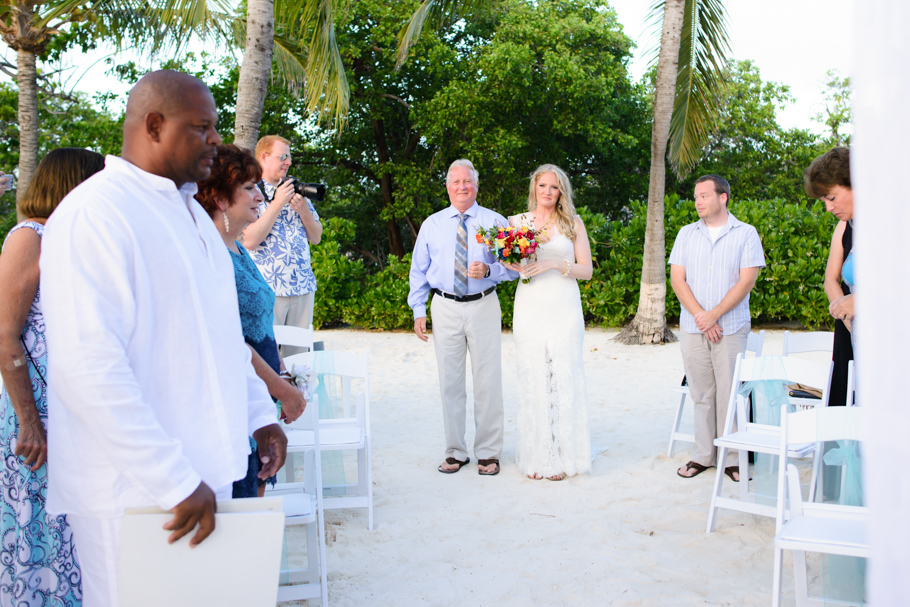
[
  {"x": 151, "y": 389},
  {"x": 712, "y": 268}
]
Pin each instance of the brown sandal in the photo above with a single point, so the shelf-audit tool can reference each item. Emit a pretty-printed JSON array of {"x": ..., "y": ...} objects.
[
  {"x": 693, "y": 466},
  {"x": 452, "y": 461},
  {"x": 488, "y": 462}
]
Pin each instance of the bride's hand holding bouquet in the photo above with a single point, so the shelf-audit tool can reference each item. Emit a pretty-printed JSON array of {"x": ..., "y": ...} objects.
[{"x": 513, "y": 246}]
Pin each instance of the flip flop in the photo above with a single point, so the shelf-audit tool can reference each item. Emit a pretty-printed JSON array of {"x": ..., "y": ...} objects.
[
  {"x": 693, "y": 466},
  {"x": 729, "y": 470},
  {"x": 452, "y": 461},
  {"x": 488, "y": 462}
]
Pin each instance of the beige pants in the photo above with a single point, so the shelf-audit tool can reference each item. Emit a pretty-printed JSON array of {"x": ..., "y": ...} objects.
[
  {"x": 709, "y": 369},
  {"x": 294, "y": 311},
  {"x": 473, "y": 327}
]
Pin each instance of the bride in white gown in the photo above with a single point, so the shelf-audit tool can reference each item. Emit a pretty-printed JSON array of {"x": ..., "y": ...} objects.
[{"x": 549, "y": 332}]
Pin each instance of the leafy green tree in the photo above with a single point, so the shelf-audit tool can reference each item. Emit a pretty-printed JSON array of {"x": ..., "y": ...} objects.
[
  {"x": 548, "y": 85},
  {"x": 495, "y": 91},
  {"x": 838, "y": 108},
  {"x": 748, "y": 147}
]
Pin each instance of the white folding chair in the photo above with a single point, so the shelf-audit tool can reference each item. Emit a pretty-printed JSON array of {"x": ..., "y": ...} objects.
[
  {"x": 297, "y": 337},
  {"x": 815, "y": 527},
  {"x": 304, "y": 505},
  {"x": 807, "y": 343},
  {"x": 754, "y": 344},
  {"x": 759, "y": 438},
  {"x": 810, "y": 341},
  {"x": 351, "y": 432}
]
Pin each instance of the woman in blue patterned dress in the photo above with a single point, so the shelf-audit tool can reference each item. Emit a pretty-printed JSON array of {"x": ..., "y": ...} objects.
[
  {"x": 38, "y": 565},
  {"x": 231, "y": 198}
]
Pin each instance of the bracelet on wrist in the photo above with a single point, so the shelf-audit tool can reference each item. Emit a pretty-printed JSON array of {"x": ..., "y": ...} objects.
[{"x": 568, "y": 269}]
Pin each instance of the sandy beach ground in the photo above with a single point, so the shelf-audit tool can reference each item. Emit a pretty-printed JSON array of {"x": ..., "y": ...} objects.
[{"x": 630, "y": 533}]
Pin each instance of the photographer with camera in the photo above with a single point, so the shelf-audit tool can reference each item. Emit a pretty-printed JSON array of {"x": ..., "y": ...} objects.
[{"x": 279, "y": 241}]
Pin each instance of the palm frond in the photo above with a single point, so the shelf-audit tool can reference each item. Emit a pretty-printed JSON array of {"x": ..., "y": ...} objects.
[
  {"x": 700, "y": 80},
  {"x": 438, "y": 13},
  {"x": 151, "y": 26},
  {"x": 305, "y": 36}
]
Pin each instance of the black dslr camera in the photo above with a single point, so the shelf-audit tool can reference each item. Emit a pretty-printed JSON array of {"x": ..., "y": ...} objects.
[{"x": 313, "y": 191}]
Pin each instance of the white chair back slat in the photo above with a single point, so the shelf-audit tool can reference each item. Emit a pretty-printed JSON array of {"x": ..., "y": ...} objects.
[
  {"x": 294, "y": 336},
  {"x": 811, "y": 341}
]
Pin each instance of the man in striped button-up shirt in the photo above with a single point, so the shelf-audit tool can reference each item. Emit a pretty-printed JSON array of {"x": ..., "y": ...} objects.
[{"x": 713, "y": 267}]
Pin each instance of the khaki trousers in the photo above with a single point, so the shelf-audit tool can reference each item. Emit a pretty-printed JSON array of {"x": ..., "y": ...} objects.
[
  {"x": 296, "y": 311},
  {"x": 473, "y": 327},
  {"x": 709, "y": 370}
]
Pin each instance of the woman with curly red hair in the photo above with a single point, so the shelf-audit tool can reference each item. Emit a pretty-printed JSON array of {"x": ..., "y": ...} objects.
[{"x": 230, "y": 197}]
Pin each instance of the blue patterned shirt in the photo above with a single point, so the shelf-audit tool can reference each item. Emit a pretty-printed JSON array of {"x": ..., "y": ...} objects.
[
  {"x": 712, "y": 268},
  {"x": 283, "y": 257}
]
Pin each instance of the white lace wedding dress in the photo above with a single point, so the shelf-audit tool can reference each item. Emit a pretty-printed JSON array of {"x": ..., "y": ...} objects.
[{"x": 549, "y": 330}]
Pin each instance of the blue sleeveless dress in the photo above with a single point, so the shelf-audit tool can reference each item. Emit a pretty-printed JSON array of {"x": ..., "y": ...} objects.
[{"x": 38, "y": 562}]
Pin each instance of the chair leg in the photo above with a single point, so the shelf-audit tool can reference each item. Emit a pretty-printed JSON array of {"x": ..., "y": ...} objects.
[
  {"x": 743, "y": 475},
  {"x": 368, "y": 475},
  {"x": 800, "y": 578},
  {"x": 775, "y": 585},
  {"x": 676, "y": 422},
  {"x": 718, "y": 486}
]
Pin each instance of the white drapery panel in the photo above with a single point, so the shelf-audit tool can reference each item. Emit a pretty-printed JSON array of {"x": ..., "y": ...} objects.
[{"x": 881, "y": 167}]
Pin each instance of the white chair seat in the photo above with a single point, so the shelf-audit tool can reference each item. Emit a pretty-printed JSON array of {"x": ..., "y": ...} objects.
[
  {"x": 329, "y": 438},
  {"x": 817, "y": 534},
  {"x": 298, "y": 505},
  {"x": 761, "y": 442}
]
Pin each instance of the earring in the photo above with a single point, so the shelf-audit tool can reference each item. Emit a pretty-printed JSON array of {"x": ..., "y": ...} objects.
[{"x": 227, "y": 224}]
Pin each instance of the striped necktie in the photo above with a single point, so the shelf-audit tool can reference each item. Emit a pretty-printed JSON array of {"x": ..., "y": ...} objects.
[{"x": 461, "y": 258}]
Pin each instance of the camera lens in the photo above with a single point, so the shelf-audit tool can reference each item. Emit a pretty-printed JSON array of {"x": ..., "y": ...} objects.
[{"x": 314, "y": 191}]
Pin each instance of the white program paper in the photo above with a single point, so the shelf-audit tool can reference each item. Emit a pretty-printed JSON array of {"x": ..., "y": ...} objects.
[{"x": 238, "y": 565}]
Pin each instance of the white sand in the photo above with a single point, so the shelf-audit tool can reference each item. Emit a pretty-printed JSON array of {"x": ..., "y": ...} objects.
[{"x": 630, "y": 533}]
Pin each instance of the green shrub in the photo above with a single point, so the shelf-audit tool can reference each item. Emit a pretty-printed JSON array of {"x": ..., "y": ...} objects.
[
  {"x": 339, "y": 277},
  {"x": 6, "y": 224},
  {"x": 795, "y": 240}
]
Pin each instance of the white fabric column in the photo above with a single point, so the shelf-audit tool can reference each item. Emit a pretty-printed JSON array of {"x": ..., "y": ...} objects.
[{"x": 880, "y": 164}]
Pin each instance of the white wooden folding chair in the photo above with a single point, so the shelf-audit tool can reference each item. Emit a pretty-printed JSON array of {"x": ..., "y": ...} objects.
[
  {"x": 755, "y": 437},
  {"x": 809, "y": 341},
  {"x": 815, "y": 527},
  {"x": 304, "y": 505},
  {"x": 350, "y": 432},
  {"x": 297, "y": 337},
  {"x": 754, "y": 344}
]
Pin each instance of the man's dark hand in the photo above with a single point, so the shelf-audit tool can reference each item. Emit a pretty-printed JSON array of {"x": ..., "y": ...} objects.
[
  {"x": 273, "y": 449},
  {"x": 199, "y": 507}
]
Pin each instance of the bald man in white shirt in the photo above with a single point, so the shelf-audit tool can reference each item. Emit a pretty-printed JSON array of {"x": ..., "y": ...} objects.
[{"x": 151, "y": 391}]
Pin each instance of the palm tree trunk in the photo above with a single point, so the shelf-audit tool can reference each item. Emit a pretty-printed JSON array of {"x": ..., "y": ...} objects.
[
  {"x": 27, "y": 79},
  {"x": 252, "y": 85},
  {"x": 650, "y": 323}
]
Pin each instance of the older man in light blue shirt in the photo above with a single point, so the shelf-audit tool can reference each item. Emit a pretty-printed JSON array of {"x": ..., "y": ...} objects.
[
  {"x": 462, "y": 274},
  {"x": 713, "y": 267}
]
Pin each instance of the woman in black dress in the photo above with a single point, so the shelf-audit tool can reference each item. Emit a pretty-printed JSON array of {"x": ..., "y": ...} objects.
[{"x": 828, "y": 179}]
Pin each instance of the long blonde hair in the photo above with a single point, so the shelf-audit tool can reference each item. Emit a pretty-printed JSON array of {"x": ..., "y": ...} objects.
[{"x": 565, "y": 208}]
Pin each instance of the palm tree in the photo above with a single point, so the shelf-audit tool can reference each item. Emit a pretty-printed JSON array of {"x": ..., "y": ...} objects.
[
  {"x": 27, "y": 27},
  {"x": 690, "y": 60},
  {"x": 306, "y": 56}
]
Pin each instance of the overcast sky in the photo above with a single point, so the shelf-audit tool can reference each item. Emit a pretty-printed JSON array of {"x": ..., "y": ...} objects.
[{"x": 793, "y": 42}]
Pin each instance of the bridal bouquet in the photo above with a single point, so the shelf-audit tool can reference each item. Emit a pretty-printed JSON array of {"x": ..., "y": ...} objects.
[{"x": 511, "y": 244}]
